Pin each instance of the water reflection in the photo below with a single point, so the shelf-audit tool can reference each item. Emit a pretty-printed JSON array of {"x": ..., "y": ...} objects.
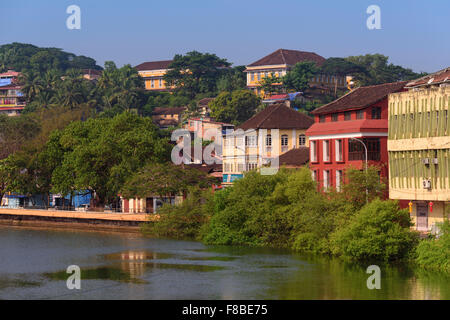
[{"x": 143, "y": 268}]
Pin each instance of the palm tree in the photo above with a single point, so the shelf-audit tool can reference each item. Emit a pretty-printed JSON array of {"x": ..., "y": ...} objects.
[{"x": 32, "y": 85}]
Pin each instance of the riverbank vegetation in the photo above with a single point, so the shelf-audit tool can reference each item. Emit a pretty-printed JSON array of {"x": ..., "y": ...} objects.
[{"x": 287, "y": 210}]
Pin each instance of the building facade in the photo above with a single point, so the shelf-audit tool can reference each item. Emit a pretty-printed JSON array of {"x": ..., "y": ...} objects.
[
  {"x": 278, "y": 63},
  {"x": 153, "y": 73},
  {"x": 419, "y": 149},
  {"x": 344, "y": 128},
  {"x": 262, "y": 139},
  {"x": 12, "y": 100}
]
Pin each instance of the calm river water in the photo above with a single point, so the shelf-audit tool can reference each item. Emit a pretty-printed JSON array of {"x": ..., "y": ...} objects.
[{"x": 128, "y": 266}]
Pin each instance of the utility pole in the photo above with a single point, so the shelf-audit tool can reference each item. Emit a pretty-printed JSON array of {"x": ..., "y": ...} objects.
[{"x": 365, "y": 148}]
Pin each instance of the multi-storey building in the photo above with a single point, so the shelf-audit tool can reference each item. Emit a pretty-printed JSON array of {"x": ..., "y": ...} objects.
[
  {"x": 262, "y": 139},
  {"x": 345, "y": 128},
  {"x": 419, "y": 148},
  {"x": 153, "y": 73},
  {"x": 12, "y": 100},
  {"x": 278, "y": 63}
]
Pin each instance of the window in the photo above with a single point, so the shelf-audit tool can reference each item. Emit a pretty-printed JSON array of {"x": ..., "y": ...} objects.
[
  {"x": 314, "y": 175},
  {"x": 284, "y": 140},
  {"x": 326, "y": 150},
  {"x": 152, "y": 83},
  {"x": 347, "y": 115},
  {"x": 301, "y": 140},
  {"x": 240, "y": 167},
  {"x": 356, "y": 149},
  {"x": 269, "y": 140},
  {"x": 360, "y": 114},
  {"x": 326, "y": 179},
  {"x": 160, "y": 83},
  {"x": 334, "y": 117},
  {"x": 338, "y": 180},
  {"x": 338, "y": 151},
  {"x": 252, "y": 76},
  {"x": 250, "y": 141},
  {"x": 313, "y": 151},
  {"x": 284, "y": 143},
  {"x": 376, "y": 113},
  {"x": 322, "y": 118},
  {"x": 250, "y": 166},
  {"x": 259, "y": 76}
]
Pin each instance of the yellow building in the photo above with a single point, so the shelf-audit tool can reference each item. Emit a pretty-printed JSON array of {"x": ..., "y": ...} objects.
[
  {"x": 278, "y": 63},
  {"x": 419, "y": 149},
  {"x": 153, "y": 73},
  {"x": 262, "y": 139}
]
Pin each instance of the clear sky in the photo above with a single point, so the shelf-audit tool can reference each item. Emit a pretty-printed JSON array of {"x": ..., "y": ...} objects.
[{"x": 414, "y": 33}]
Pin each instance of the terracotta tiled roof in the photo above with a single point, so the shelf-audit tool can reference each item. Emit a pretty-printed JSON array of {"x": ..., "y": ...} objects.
[
  {"x": 431, "y": 79},
  {"x": 278, "y": 116},
  {"x": 205, "y": 101},
  {"x": 296, "y": 157},
  {"x": 289, "y": 57},
  {"x": 154, "y": 65},
  {"x": 361, "y": 97},
  {"x": 162, "y": 110}
]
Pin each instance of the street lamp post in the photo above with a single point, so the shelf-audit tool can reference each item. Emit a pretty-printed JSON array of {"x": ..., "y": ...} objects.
[{"x": 365, "y": 149}]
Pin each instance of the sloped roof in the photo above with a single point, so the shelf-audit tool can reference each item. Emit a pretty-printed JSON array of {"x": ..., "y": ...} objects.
[
  {"x": 289, "y": 57},
  {"x": 431, "y": 79},
  {"x": 361, "y": 97},
  {"x": 204, "y": 101},
  {"x": 163, "y": 110},
  {"x": 154, "y": 65},
  {"x": 295, "y": 157},
  {"x": 278, "y": 116}
]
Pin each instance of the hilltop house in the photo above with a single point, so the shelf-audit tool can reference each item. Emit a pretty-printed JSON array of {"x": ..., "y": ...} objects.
[
  {"x": 153, "y": 73},
  {"x": 280, "y": 62}
]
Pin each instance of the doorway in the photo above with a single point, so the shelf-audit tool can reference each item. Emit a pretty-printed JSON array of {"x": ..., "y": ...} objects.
[{"x": 422, "y": 217}]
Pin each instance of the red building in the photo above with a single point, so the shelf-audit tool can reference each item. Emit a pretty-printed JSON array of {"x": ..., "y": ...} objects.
[{"x": 342, "y": 130}]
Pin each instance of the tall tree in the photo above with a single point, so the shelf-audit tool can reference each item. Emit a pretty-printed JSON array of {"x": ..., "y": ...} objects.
[
  {"x": 234, "y": 107},
  {"x": 299, "y": 76},
  {"x": 195, "y": 73}
]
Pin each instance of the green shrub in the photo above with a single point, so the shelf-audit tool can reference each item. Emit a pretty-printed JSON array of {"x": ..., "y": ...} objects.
[
  {"x": 182, "y": 221},
  {"x": 379, "y": 231},
  {"x": 434, "y": 254}
]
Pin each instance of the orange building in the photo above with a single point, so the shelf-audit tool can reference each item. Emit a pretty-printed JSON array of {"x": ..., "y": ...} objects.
[
  {"x": 153, "y": 73},
  {"x": 278, "y": 63}
]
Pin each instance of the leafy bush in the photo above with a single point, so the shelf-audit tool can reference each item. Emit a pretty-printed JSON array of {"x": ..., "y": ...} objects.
[
  {"x": 379, "y": 231},
  {"x": 182, "y": 221},
  {"x": 434, "y": 254}
]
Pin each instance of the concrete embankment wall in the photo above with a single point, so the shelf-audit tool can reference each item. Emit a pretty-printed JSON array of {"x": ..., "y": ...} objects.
[{"x": 73, "y": 219}]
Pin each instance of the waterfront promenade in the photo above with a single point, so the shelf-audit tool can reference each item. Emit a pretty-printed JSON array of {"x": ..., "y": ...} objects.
[{"x": 73, "y": 219}]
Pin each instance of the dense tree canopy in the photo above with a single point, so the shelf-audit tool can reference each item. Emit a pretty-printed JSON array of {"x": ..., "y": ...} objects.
[
  {"x": 234, "y": 107},
  {"x": 195, "y": 73},
  {"x": 299, "y": 77},
  {"x": 26, "y": 57}
]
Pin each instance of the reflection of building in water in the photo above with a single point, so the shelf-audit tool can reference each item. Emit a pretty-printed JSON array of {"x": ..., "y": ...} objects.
[
  {"x": 134, "y": 262},
  {"x": 422, "y": 290}
]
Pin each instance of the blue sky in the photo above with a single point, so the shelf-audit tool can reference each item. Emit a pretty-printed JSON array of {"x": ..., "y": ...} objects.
[{"x": 414, "y": 33}]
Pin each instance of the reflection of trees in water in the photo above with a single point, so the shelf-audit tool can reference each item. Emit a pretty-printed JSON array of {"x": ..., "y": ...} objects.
[{"x": 336, "y": 279}]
